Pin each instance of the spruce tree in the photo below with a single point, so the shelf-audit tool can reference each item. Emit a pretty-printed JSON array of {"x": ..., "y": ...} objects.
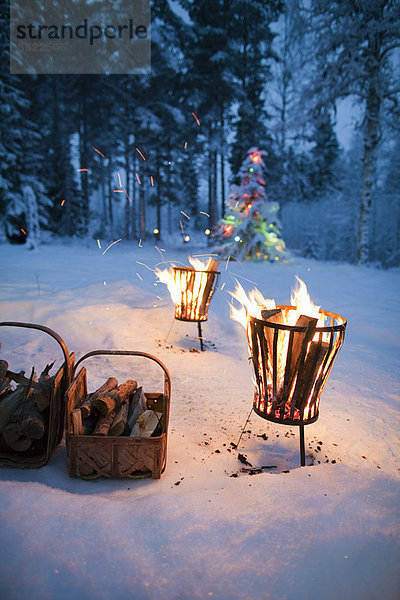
[{"x": 251, "y": 228}]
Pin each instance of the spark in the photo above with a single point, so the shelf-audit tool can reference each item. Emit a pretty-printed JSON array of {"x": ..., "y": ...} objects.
[
  {"x": 180, "y": 223},
  {"x": 81, "y": 170},
  {"x": 98, "y": 151},
  {"x": 108, "y": 247},
  {"x": 197, "y": 120},
  {"x": 23, "y": 231},
  {"x": 140, "y": 243},
  {"x": 185, "y": 145},
  {"x": 144, "y": 265},
  {"x": 227, "y": 262},
  {"x": 204, "y": 213},
  {"x": 105, "y": 283},
  {"x": 119, "y": 179},
  {"x": 200, "y": 255},
  {"x": 137, "y": 150},
  {"x": 159, "y": 297},
  {"x": 141, "y": 278},
  {"x": 152, "y": 180},
  {"x": 222, "y": 287},
  {"x": 155, "y": 305},
  {"x": 185, "y": 215},
  {"x": 119, "y": 191},
  {"x": 98, "y": 243},
  {"x": 62, "y": 202},
  {"x": 137, "y": 177}
]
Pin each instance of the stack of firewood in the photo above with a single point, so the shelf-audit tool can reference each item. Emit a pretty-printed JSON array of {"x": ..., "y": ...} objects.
[
  {"x": 24, "y": 407},
  {"x": 116, "y": 410}
]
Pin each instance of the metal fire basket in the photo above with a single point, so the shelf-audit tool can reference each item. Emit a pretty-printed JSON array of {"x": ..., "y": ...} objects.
[
  {"x": 196, "y": 290},
  {"x": 291, "y": 365}
]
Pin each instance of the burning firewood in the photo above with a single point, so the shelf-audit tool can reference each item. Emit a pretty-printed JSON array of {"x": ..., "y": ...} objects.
[
  {"x": 297, "y": 350},
  {"x": 309, "y": 373}
]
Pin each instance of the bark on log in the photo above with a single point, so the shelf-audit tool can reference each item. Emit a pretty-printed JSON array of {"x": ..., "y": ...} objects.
[
  {"x": 104, "y": 423},
  {"x": 118, "y": 425},
  {"x": 106, "y": 388},
  {"x": 114, "y": 399}
]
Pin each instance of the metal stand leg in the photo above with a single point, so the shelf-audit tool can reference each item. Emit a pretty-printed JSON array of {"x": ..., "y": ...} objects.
[
  {"x": 200, "y": 335},
  {"x": 302, "y": 448}
]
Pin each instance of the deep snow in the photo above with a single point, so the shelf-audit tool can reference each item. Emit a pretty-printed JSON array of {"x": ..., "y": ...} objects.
[{"x": 327, "y": 530}]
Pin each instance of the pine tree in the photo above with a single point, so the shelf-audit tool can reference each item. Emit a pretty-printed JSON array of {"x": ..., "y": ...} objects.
[{"x": 251, "y": 229}]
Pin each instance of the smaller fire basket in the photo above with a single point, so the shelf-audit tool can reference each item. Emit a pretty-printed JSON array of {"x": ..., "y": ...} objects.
[
  {"x": 195, "y": 292},
  {"x": 292, "y": 363}
]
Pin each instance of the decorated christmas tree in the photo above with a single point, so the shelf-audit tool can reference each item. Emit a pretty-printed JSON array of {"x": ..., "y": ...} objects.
[{"x": 251, "y": 228}]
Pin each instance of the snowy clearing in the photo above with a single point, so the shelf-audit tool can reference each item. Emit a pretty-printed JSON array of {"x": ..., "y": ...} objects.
[{"x": 328, "y": 530}]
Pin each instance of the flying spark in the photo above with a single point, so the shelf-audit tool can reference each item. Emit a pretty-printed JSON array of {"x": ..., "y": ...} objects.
[
  {"x": 140, "y": 243},
  {"x": 185, "y": 215},
  {"x": 141, "y": 278},
  {"x": 98, "y": 151},
  {"x": 152, "y": 180},
  {"x": 119, "y": 179},
  {"x": 81, "y": 170},
  {"x": 23, "y": 231},
  {"x": 204, "y": 213},
  {"x": 108, "y": 247},
  {"x": 62, "y": 202},
  {"x": 197, "y": 120},
  {"x": 138, "y": 151},
  {"x": 185, "y": 145},
  {"x": 137, "y": 177},
  {"x": 98, "y": 243}
]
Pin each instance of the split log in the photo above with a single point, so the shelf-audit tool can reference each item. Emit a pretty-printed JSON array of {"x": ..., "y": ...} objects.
[
  {"x": 22, "y": 379},
  {"x": 118, "y": 425},
  {"x": 297, "y": 351},
  {"x": 104, "y": 423},
  {"x": 25, "y": 425},
  {"x": 312, "y": 364},
  {"x": 76, "y": 418},
  {"x": 115, "y": 398},
  {"x": 32, "y": 423},
  {"x": 212, "y": 265},
  {"x": 146, "y": 424},
  {"x": 137, "y": 405},
  {"x": 105, "y": 389}
]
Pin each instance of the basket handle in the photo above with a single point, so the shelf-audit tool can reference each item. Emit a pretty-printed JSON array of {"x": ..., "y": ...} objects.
[
  {"x": 167, "y": 377},
  {"x": 54, "y": 335}
]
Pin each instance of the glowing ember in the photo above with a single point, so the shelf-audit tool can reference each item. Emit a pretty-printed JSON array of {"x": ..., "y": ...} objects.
[
  {"x": 138, "y": 151},
  {"x": 98, "y": 151}
]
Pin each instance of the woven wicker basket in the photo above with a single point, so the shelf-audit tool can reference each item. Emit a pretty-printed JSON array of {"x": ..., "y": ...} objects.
[
  {"x": 41, "y": 451},
  {"x": 92, "y": 456}
]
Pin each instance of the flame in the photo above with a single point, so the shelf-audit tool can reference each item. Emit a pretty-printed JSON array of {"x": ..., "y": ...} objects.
[
  {"x": 251, "y": 305},
  {"x": 187, "y": 288}
]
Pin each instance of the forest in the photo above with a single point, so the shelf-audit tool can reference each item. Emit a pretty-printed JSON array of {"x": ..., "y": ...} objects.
[{"x": 314, "y": 84}]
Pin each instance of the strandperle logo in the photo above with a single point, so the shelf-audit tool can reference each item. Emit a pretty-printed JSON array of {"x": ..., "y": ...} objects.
[
  {"x": 80, "y": 37},
  {"x": 84, "y": 31}
]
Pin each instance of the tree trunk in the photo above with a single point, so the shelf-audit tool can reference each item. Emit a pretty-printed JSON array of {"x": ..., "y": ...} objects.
[
  {"x": 127, "y": 197},
  {"x": 84, "y": 158},
  {"x": 371, "y": 139}
]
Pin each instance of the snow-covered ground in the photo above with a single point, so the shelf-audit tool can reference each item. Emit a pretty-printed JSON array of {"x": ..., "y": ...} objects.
[{"x": 329, "y": 530}]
